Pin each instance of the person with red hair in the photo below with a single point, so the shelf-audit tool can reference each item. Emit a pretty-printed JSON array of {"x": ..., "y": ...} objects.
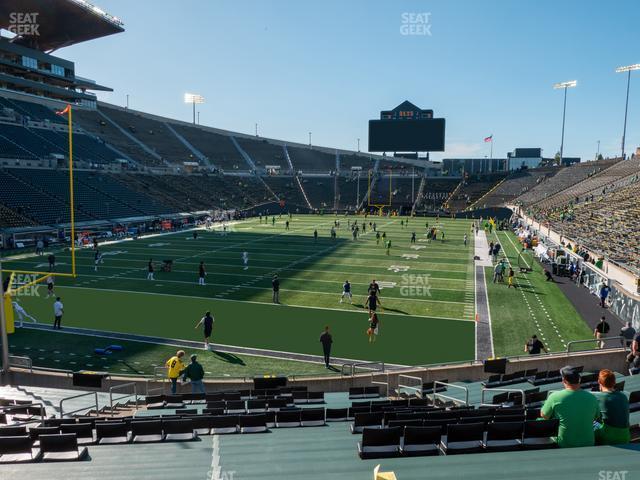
[{"x": 614, "y": 412}]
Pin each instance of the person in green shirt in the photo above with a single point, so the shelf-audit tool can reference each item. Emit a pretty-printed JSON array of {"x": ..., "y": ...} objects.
[
  {"x": 614, "y": 412},
  {"x": 576, "y": 410},
  {"x": 195, "y": 373}
]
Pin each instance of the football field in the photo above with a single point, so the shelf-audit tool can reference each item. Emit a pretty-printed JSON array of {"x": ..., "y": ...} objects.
[{"x": 428, "y": 290}]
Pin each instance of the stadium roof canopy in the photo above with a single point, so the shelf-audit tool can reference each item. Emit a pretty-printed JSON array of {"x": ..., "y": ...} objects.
[{"x": 60, "y": 23}]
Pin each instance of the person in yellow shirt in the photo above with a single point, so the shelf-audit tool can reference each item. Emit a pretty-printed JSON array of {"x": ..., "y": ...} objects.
[{"x": 175, "y": 366}]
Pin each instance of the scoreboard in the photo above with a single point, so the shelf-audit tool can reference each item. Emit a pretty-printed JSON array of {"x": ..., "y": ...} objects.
[{"x": 406, "y": 128}]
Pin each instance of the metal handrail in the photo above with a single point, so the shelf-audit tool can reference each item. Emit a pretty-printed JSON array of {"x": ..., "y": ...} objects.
[
  {"x": 118, "y": 387},
  {"x": 95, "y": 394},
  {"x": 602, "y": 339},
  {"x": 417, "y": 389},
  {"x": 353, "y": 365},
  {"x": 434, "y": 393},
  {"x": 379, "y": 382},
  {"x": 27, "y": 361},
  {"x": 500, "y": 390}
]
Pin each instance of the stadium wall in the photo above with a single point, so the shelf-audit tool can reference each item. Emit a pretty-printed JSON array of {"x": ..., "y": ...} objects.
[{"x": 592, "y": 360}]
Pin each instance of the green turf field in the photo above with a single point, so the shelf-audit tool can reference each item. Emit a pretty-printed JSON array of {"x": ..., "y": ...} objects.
[
  {"x": 73, "y": 352},
  {"x": 427, "y": 288},
  {"x": 534, "y": 307}
]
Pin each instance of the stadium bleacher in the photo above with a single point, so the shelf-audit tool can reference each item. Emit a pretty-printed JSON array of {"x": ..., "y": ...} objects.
[
  {"x": 608, "y": 224},
  {"x": 563, "y": 179},
  {"x": 471, "y": 190},
  {"x": 408, "y": 433},
  {"x": 93, "y": 122},
  {"x": 154, "y": 134},
  {"x": 310, "y": 159},
  {"x": 514, "y": 185},
  {"x": 264, "y": 153},
  {"x": 218, "y": 148}
]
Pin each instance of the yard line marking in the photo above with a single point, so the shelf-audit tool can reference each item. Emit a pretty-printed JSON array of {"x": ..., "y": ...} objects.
[{"x": 359, "y": 311}]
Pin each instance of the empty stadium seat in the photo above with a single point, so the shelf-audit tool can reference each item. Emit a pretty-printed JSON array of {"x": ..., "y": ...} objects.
[
  {"x": 419, "y": 440},
  {"x": 18, "y": 449},
  {"x": 61, "y": 448},
  {"x": 380, "y": 442}
]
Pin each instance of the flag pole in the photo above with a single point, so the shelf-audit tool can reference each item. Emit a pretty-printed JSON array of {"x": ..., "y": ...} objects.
[
  {"x": 71, "y": 202},
  {"x": 491, "y": 154}
]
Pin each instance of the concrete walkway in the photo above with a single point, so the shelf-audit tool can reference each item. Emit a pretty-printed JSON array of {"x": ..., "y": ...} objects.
[{"x": 484, "y": 335}]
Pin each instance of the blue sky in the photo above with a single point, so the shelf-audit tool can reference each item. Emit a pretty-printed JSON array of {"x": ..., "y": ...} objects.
[{"x": 329, "y": 66}]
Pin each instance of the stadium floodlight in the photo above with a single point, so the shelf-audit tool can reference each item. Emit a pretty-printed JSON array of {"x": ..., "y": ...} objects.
[
  {"x": 569, "y": 84},
  {"x": 564, "y": 86},
  {"x": 194, "y": 99},
  {"x": 628, "y": 69}
]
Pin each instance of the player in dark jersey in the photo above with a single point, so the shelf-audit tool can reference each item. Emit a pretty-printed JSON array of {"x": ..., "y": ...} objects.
[
  {"x": 150, "y": 269},
  {"x": 207, "y": 323},
  {"x": 201, "y": 273},
  {"x": 372, "y": 302},
  {"x": 374, "y": 327},
  {"x": 346, "y": 291}
]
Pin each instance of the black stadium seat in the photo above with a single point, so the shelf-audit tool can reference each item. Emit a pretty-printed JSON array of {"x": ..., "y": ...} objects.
[
  {"x": 179, "y": 430},
  {"x": 17, "y": 449},
  {"x": 312, "y": 417},
  {"x": 83, "y": 432},
  {"x": 337, "y": 414},
  {"x": 421, "y": 440},
  {"x": 288, "y": 418},
  {"x": 252, "y": 423},
  {"x": 61, "y": 448},
  {"x": 504, "y": 436},
  {"x": 369, "y": 420},
  {"x": 224, "y": 424},
  {"x": 147, "y": 431},
  {"x": 112, "y": 432},
  {"x": 634, "y": 401},
  {"x": 538, "y": 434},
  {"x": 380, "y": 442},
  {"x": 463, "y": 438}
]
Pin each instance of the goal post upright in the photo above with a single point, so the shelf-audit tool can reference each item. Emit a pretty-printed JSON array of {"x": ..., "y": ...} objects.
[{"x": 71, "y": 196}]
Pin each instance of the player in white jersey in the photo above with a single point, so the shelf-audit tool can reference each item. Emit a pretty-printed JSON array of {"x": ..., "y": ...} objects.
[
  {"x": 245, "y": 260},
  {"x": 21, "y": 313}
]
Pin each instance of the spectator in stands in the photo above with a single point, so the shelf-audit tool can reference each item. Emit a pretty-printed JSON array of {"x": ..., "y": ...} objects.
[
  {"x": 175, "y": 367},
  {"x": 628, "y": 332},
  {"x": 326, "y": 340},
  {"x": 534, "y": 346},
  {"x": 604, "y": 293},
  {"x": 614, "y": 412},
  {"x": 195, "y": 373},
  {"x": 58, "y": 311},
  {"x": 601, "y": 330},
  {"x": 576, "y": 410},
  {"x": 634, "y": 357}
]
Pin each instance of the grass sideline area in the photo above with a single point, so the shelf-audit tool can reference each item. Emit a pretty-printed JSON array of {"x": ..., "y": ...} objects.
[
  {"x": 76, "y": 352},
  {"x": 427, "y": 287},
  {"x": 551, "y": 315}
]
